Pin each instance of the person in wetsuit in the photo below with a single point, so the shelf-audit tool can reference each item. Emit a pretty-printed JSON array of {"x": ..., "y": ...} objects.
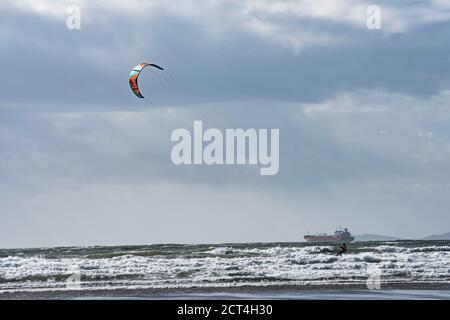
[{"x": 342, "y": 250}]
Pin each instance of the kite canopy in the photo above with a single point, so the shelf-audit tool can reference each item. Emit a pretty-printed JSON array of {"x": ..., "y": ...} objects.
[{"x": 134, "y": 75}]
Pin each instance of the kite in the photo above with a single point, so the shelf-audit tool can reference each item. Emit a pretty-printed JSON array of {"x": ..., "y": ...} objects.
[{"x": 134, "y": 75}]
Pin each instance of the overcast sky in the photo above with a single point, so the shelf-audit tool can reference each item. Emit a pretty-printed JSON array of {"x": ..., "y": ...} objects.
[{"x": 364, "y": 119}]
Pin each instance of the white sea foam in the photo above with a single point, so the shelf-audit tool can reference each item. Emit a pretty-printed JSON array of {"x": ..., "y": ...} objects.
[{"x": 228, "y": 266}]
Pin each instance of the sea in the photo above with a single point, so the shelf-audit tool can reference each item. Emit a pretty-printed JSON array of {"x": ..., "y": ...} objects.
[{"x": 368, "y": 270}]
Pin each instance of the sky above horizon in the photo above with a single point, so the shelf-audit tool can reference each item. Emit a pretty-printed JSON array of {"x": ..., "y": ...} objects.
[{"x": 363, "y": 116}]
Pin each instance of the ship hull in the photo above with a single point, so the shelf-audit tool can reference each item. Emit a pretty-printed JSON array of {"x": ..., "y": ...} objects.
[{"x": 332, "y": 239}]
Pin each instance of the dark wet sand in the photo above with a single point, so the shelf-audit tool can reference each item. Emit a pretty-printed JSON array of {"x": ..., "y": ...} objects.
[{"x": 265, "y": 292}]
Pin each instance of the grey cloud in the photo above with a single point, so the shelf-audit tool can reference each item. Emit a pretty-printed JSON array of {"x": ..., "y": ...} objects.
[
  {"x": 68, "y": 68},
  {"x": 363, "y": 120}
]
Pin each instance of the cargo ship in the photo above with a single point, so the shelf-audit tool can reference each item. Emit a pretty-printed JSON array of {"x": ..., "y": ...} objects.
[{"x": 338, "y": 236}]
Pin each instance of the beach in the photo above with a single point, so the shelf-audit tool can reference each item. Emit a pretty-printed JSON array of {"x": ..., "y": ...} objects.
[{"x": 391, "y": 292}]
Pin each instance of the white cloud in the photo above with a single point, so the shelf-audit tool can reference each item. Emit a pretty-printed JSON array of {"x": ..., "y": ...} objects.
[
  {"x": 377, "y": 101},
  {"x": 291, "y": 24},
  {"x": 399, "y": 127},
  {"x": 290, "y": 37},
  {"x": 395, "y": 17},
  {"x": 50, "y": 8}
]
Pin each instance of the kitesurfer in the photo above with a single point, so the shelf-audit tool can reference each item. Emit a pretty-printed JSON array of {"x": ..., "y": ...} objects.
[{"x": 343, "y": 249}]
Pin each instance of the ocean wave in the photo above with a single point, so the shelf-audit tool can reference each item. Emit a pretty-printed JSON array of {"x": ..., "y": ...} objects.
[{"x": 172, "y": 266}]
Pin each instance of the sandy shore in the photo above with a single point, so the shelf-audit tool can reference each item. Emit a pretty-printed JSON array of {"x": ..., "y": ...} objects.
[{"x": 259, "y": 292}]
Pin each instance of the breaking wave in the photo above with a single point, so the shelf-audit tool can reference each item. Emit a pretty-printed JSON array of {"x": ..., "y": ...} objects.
[{"x": 185, "y": 266}]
